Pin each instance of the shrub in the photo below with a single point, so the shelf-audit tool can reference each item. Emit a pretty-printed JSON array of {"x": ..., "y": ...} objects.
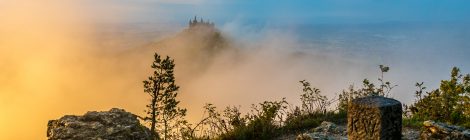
[
  {"x": 312, "y": 100},
  {"x": 450, "y": 103},
  {"x": 263, "y": 122},
  {"x": 312, "y": 112}
]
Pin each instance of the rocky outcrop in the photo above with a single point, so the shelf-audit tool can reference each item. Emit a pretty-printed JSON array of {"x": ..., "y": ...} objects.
[
  {"x": 326, "y": 131},
  {"x": 331, "y": 131},
  {"x": 194, "y": 49},
  {"x": 374, "y": 117},
  {"x": 115, "y": 124},
  {"x": 441, "y": 131}
]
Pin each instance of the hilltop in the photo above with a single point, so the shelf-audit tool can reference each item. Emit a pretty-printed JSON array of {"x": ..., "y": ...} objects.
[{"x": 194, "y": 48}]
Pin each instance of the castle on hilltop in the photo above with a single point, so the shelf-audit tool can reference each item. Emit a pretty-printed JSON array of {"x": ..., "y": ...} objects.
[{"x": 201, "y": 23}]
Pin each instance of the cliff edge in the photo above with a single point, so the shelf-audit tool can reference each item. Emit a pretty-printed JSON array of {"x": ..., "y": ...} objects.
[{"x": 113, "y": 124}]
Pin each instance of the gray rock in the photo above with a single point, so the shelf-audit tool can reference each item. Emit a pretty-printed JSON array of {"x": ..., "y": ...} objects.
[
  {"x": 441, "y": 131},
  {"x": 325, "y": 127},
  {"x": 304, "y": 136},
  {"x": 326, "y": 131},
  {"x": 410, "y": 133},
  {"x": 115, "y": 124},
  {"x": 374, "y": 117},
  {"x": 331, "y": 131}
]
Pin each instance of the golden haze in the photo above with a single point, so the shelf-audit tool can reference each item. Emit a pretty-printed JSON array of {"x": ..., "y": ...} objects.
[
  {"x": 50, "y": 67},
  {"x": 53, "y": 63}
]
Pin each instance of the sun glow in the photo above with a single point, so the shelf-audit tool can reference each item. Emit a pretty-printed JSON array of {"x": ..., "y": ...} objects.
[{"x": 44, "y": 61}]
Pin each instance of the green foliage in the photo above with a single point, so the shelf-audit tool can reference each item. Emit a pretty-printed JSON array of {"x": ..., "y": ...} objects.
[
  {"x": 163, "y": 112},
  {"x": 312, "y": 112},
  {"x": 263, "y": 122},
  {"x": 266, "y": 120},
  {"x": 450, "y": 103},
  {"x": 271, "y": 118},
  {"x": 215, "y": 125},
  {"x": 312, "y": 100},
  {"x": 234, "y": 118},
  {"x": 211, "y": 126},
  {"x": 385, "y": 86},
  {"x": 301, "y": 122},
  {"x": 412, "y": 123},
  {"x": 367, "y": 89},
  {"x": 348, "y": 95}
]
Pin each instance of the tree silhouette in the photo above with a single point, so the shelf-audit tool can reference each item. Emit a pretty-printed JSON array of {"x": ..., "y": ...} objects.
[{"x": 163, "y": 111}]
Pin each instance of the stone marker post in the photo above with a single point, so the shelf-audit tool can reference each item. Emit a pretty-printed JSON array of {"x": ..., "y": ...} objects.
[{"x": 374, "y": 118}]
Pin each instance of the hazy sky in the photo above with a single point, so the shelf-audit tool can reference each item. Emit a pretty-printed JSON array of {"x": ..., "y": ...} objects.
[
  {"x": 301, "y": 11},
  {"x": 58, "y": 57}
]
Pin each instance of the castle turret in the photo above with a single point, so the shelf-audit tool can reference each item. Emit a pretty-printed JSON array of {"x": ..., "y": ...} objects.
[
  {"x": 201, "y": 23},
  {"x": 195, "y": 20}
]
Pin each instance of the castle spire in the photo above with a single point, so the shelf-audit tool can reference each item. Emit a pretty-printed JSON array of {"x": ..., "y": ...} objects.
[
  {"x": 195, "y": 19},
  {"x": 200, "y": 23}
]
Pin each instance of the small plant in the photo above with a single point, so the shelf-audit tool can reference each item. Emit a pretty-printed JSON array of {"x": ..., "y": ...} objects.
[
  {"x": 367, "y": 89},
  {"x": 385, "y": 86},
  {"x": 312, "y": 112},
  {"x": 312, "y": 100},
  {"x": 212, "y": 125}
]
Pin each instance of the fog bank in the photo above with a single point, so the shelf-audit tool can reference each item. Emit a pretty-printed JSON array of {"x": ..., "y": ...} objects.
[{"x": 70, "y": 57}]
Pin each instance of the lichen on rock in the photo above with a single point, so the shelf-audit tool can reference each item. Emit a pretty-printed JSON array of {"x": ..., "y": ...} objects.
[
  {"x": 441, "y": 131},
  {"x": 326, "y": 131},
  {"x": 114, "y": 124},
  {"x": 374, "y": 117}
]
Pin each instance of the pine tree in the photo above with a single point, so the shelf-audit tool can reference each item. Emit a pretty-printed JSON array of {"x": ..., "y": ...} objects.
[{"x": 163, "y": 111}]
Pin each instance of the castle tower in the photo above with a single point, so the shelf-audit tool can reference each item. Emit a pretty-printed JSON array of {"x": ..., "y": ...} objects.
[{"x": 193, "y": 23}]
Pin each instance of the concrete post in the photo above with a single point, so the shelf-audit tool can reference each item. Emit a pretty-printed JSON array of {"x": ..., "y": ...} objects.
[{"x": 374, "y": 118}]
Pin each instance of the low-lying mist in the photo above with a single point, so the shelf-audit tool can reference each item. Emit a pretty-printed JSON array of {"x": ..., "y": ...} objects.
[{"x": 52, "y": 68}]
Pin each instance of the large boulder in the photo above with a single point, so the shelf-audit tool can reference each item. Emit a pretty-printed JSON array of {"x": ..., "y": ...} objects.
[
  {"x": 374, "y": 117},
  {"x": 115, "y": 124},
  {"x": 441, "y": 131}
]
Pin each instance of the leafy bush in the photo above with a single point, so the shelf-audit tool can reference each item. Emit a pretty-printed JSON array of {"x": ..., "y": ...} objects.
[
  {"x": 450, "y": 103},
  {"x": 263, "y": 122},
  {"x": 312, "y": 111},
  {"x": 266, "y": 120}
]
